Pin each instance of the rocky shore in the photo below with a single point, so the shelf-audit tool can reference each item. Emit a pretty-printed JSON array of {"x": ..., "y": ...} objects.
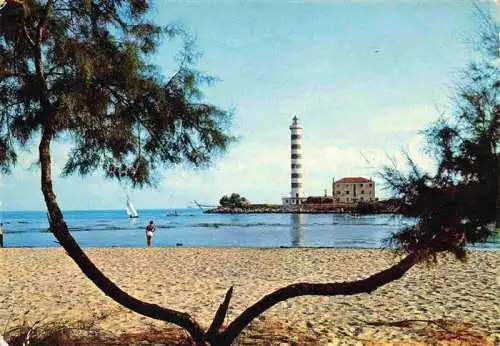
[
  {"x": 383, "y": 207},
  {"x": 279, "y": 210}
]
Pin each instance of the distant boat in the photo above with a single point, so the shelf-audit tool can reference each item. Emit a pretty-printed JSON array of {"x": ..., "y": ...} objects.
[
  {"x": 132, "y": 213},
  {"x": 172, "y": 211},
  {"x": 204, "y": 207}
]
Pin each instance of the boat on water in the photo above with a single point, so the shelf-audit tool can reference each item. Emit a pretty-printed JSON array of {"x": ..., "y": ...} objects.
[
  {"x": 204, "y": 207},
  {"x": 172, "y": 211},
  {"x": 132, "y": 213}
]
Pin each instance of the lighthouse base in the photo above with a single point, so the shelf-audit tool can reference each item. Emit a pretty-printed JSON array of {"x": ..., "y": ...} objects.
[{"x": 292, "y": 202}]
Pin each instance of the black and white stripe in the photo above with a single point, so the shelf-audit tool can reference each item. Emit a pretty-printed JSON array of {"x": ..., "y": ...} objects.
[{"x": 296, "y": 159}]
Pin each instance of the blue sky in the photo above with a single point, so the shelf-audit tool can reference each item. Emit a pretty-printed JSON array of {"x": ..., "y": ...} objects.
[{"x": 363, "y": 78}]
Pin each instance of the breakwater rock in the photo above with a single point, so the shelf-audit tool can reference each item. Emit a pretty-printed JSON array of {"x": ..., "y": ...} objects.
[
  {"x": 279, "y": 210},
  {"x": 382, "y": 207}
]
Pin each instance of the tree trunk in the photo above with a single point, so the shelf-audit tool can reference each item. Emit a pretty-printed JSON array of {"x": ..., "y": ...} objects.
[
  {"x": 61, "y": 232},
  {"x": 59, "y": 227}
]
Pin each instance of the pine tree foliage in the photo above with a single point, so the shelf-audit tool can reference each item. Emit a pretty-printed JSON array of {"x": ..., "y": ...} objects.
[
  {"x": 122, "y": 115},
  {"x": 233, "y": 201},
  {"x": 458, "y": 205}
]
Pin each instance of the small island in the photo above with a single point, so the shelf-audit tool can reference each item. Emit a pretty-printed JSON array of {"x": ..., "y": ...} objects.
[{"x": 237, "y": 204}]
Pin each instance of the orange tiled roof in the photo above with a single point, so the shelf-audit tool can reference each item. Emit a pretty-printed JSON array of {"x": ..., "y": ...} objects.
[{"x": 354, "y": 180}]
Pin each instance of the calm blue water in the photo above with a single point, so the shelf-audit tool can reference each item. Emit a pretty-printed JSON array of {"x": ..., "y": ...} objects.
[{"x": 107, "y": 228}]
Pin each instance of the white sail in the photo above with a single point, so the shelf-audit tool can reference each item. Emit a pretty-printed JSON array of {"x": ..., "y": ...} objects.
[{"x": 130, "y": 209}]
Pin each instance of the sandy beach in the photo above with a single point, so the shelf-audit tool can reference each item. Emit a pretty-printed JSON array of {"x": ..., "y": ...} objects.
[{"x": 452, "y": 297}]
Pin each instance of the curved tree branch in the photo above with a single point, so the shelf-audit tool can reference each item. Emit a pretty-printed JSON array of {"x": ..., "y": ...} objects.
[{"x": 367, "y": 285}]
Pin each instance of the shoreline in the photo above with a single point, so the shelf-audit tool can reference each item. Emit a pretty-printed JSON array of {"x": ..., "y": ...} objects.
[
  {"x": 231, "y": 247},
  {"x": 196, "y": 279}
]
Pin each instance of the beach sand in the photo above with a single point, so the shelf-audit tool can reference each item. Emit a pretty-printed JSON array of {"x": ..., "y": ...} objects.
[{"x": 457, "y": 301}]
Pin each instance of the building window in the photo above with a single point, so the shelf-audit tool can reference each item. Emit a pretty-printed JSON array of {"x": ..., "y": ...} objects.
[
  {"x": 370, "y": 185},
  {"x": 338, "y": 192},
  {"x": 361, "y": 199},
  {"x": 347, "y": 192},
  {"x": 295, "y": 136},
  {"x": 360, "y": 185},
  {"x": 362, "y": 192}
]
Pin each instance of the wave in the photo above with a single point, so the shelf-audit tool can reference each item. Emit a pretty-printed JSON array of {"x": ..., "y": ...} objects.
[
  {"x": 239, "y": 225},
  {"x": 32, "y": 230},
  {"x": 93, "y": 229},
  {"x": 100, "y": 227},
  {"x": 162, "y": 226}
]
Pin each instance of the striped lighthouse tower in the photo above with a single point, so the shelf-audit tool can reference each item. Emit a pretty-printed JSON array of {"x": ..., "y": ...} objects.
[{"x": 296, "y": 157}]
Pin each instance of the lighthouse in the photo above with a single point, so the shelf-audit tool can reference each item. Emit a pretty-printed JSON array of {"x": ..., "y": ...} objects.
[{"x": 297, "y": 192}]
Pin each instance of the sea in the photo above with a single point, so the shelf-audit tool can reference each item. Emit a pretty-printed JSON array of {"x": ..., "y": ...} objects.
[{"x": 193, "y": 228}]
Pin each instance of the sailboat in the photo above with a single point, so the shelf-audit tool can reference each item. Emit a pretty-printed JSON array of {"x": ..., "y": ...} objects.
[
  {"x": 132, "y": 213},
  {"x": 172, "y": 212}
]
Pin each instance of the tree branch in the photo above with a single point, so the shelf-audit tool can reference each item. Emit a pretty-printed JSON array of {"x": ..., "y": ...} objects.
[
  {"x": 219, "y": 318},
  {"x": 26, "y": 33},
  {"x": 7, "y": 74},
  {"x": 367, "y": 285},
  {"x": 20, "y": 3},
  {"x": 42, "y": 21},
  {"x": 44, "y": 99}
]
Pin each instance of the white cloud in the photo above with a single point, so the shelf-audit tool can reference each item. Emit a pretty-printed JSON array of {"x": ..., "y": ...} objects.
[{"x": 403, "y": 120}]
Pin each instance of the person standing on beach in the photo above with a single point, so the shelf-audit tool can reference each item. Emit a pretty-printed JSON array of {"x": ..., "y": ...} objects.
[
  {"x": 150, "y": 229},
  {"x": 1, "y": 234}
]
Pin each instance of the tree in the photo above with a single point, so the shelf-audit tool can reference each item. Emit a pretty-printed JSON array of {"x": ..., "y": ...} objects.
[
  {"x": 78, "y": 69},
  {"x": 459, "y": 204},
  {"x": 233, "y": 201}
]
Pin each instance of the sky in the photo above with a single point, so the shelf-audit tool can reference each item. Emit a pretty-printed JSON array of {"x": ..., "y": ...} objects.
[{"x": 363, "y": 77}]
